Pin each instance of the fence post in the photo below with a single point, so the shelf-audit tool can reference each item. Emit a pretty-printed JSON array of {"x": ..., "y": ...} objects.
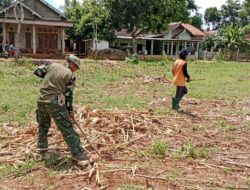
[{"x": 237, "y": 55}]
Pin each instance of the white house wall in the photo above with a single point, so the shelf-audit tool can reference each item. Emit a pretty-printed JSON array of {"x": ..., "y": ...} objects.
[{"x": 102, "y": 44}]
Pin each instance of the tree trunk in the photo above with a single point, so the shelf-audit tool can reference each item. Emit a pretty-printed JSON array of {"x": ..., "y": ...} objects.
[{"x": 19, "y": 24}]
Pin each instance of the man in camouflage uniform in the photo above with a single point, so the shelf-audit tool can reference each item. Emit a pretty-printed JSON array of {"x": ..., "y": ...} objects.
[{"x": 55, "y": 101}]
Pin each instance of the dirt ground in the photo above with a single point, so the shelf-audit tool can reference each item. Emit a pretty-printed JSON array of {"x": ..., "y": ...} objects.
[{"x": 207, "y": 147}]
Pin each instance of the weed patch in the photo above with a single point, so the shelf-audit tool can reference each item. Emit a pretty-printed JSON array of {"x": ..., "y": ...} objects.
[
  {"x": 19, "y": 170},
  {"x": 158, "y": 148},
  {"x": 189, "y": 150}
]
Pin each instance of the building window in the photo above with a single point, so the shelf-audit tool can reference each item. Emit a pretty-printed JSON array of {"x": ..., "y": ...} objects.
[
  {"x": 28, "y": 40},
  {"x": 47, "y": 41}
]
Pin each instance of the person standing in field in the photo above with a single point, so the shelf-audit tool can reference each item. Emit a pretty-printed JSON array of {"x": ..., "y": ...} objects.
[
  {"x": 181, "y": 75},
  {"x": 56, "y": 101}
]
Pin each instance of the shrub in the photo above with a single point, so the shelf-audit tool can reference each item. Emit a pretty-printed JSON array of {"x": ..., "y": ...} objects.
[
  {"x": 24, "y": 61},
  {"x": 165, "y": 60},
  {"x": 220, "y": 57},
  {"x": 134, "y": 59}
]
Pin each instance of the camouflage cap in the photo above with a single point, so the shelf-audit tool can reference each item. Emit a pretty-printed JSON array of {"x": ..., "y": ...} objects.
[{"x": 75, "y": 60}]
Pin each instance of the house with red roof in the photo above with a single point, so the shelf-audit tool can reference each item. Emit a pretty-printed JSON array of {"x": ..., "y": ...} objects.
[{"x": 178, "y": 36}]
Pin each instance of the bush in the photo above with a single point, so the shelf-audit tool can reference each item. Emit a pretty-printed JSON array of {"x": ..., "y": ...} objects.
[
  {"x": 220, "y": 57},
  {"x": 165, "y": 60},
  {"x": 23, "y": 61},
  {"x": 134, "y": 59}
]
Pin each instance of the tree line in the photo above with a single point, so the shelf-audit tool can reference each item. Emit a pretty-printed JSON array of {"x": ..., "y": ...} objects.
[
  {"x": 143, "y": 16},
  {"x": 232, "y": 25},
  {"x": 102, "y": 18}
]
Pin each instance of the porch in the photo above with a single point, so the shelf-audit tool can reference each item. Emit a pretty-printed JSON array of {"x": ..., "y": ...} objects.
[
  {"x": 37, "y": 37},
  {"x": 160, "y": 46}
]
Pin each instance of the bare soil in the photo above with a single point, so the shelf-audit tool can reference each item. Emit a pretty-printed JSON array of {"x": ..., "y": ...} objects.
[{"x": 208, "y": 147}]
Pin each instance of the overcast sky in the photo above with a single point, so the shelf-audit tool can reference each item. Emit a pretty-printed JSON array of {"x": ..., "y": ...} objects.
[{"x": 203, "y": 4}]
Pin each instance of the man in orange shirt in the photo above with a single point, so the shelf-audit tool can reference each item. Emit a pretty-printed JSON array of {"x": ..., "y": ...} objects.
[{"x": 180, "y": 77}]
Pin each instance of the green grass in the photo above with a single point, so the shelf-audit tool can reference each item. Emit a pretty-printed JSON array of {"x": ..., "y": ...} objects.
[
  {"x": 123, "y": 87},
  {"x": 18, "y": 92},
  {"x": 189, "y": 150},
  {"x": 18, "y": 170},
  {"x": 223, "y": 80},
  {"x": 19, "y": 87},
  {"x": 158, "y": 148}
]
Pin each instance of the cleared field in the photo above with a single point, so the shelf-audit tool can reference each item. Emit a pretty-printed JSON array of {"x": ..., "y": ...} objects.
[{"x": 126, "y": 112}]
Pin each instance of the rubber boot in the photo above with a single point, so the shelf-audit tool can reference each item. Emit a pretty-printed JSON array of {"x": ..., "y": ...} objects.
[{"x": 175, "y": 103}]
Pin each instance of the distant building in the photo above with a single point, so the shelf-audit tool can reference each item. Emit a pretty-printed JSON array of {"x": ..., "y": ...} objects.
[
  {"x": 42, "y": 30},
  {"x": 82, "y": 47},
  {"x": 179, "y": 35}
]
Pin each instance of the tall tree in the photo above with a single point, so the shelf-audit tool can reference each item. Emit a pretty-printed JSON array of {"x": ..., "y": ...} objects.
[
  {"x": 19, "y": 16},
  {"x": 142, "y": 16},
  {"x": 245, "y": 13},
  {"x": 87, "y": 17},
  {"x": 196, "y": 20},
  {"x": 5, "y": 3},
  {"x": 212, "y": 18},
  {"x": 230, "y": 12}
]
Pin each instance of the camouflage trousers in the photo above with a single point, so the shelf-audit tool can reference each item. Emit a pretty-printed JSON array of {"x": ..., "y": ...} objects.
[{"x": 59, "y": 114}]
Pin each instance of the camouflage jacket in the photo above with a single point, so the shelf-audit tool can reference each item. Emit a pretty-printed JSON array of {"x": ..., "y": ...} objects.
[{"x": 58, "y": 81}]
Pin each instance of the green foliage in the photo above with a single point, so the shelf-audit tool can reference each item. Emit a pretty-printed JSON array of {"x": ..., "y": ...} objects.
[
  {"x": 230, "y": 12},
  {"x": 209, "y": 43},
  {"x": 134, "y": 59},
  {"x": 220, "y": 57},
  {"x": 24, "y": 61},
  {"x": 86, "y": 17},
  {"x": 5, "y": 107},
  {"x": 212, "y": 17},
  {"x": 165, "y": 61},
  {"x": 18, "y": 170},
  {"x": 244, "y": 13},
  {"x": 231, "y": 37},
  {"x": 189, "y": 150},
  {"x": 158, "y": 148},
  {"x": 5, "y": 3},
  {"x": 143, "y": 16},
  {"x": 196, "y": 20}
]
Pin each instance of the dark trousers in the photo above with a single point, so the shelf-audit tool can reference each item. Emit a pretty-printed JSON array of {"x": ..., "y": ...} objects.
[
  {"x": 59, "y": 113},
  {"x": 180, "y": 92}
]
